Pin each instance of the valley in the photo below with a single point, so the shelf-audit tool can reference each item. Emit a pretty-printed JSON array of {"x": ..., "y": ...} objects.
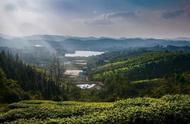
[
  {"x": 45, "y": 81},
  {"x": 95, "y": 62},
  {"x": 76, "y": 67}
]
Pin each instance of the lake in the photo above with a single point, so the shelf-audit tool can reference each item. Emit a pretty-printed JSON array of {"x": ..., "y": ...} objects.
[
  {"x": 73, "y": 72},
  {"x": 83, "y": 54}
]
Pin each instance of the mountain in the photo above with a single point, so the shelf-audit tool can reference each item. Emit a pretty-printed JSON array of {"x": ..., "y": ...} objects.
[
  {"x": 183, "y": 38},
  {"x": 71, "y": 44}
]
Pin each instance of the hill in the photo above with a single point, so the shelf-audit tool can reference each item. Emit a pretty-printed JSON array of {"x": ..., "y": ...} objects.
[
  {"x": 119, "y": 55},
  {"x": 71, "y": 44},
  {"x": 152, "y": 74},
  {"x": 20, "y": 81},
  {"x": 145, "y": 66}
]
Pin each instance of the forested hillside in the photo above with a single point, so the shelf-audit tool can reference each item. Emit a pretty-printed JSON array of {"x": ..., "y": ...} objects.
[
  {"x": 145, "y": 66},
  {"x": 124, "y": 54},
  {"x": 151, "y": 74},
  {"x": 10, "y": 90},
  {"x": 21, "y": 81}
]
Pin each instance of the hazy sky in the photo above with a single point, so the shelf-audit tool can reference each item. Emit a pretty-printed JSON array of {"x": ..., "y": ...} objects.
[{"x": 113, "y": 18}]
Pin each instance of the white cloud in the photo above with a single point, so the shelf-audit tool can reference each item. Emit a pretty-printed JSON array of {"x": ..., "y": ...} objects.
[{"x": 27, "y": 17}]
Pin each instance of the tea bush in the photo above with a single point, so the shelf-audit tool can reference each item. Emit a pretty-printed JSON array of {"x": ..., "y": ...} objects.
[{"x": 166, "y": 110}]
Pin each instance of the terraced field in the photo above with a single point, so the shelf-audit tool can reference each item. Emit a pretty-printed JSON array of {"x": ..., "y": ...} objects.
[
  {"x": 165, "y": 110},
  {"x": 145, "y": 66}
]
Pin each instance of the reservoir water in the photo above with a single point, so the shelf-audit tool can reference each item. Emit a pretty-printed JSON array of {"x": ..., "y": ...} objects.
[
  {"x": 73, "y": 72},
  {"x": 83, "y": 54}
]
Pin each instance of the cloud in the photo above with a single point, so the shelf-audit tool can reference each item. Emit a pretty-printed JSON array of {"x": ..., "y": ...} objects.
[
  {"x": 108, "y": 18},
  {"x": 99, "y": 17},
  {"x": 173, "y": 14},
  {"x": 187, "y": 7},
  {"x": 10, "y": 7},
  {"x": 122, "y": 15},
  {"x": 157, "y": 4},
  {"x": 99, "y": 22}
]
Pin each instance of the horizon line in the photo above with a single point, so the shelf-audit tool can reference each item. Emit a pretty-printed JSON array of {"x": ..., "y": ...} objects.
[{"x": 90, "y": 36}]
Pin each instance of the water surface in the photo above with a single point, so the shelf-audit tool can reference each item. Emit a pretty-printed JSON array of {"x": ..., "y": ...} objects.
[
  {"x": 73, "y": 72},
  {"x": 83, "y": 54}
]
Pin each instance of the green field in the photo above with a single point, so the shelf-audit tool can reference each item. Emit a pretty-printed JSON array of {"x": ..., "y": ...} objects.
[{"x": 167, "y": 109}]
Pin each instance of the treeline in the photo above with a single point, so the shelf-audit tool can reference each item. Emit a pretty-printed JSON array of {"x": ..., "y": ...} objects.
[
  {"x": 40, "y": 57},
  {"x": 10, "y": 90},
  {"x": 118, "y": 88},
  {"x": 21, "y": 81}
]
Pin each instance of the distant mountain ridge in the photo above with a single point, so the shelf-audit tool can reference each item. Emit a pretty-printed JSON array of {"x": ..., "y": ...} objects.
[{"x": 71, "y": 43}]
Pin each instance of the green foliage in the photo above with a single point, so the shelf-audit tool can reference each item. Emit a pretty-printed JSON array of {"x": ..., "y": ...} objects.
[
  {"x": 124, "y": 54},
  {"x": 145, "y": 66},
  {"x": 49, "y": 109},
  {"x": 121, "y": 88},
  {"x": 152, "y": 74},
  {"x": 10, "y": 90},
  {"x": 20, "y": 81},
  {"x": 166, "y": 110}
]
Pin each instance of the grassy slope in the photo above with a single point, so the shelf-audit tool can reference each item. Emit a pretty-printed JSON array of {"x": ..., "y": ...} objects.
[
  {"x": 143, "y": 64},
  {"x": 168, "y": 109}
]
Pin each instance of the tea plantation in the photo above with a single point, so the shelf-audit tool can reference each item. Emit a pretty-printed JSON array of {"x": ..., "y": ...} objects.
[{"x": 165, "y": 110}]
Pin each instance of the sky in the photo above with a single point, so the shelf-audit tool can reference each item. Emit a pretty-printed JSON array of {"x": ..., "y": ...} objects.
[{"x": 107, "y": 18}]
